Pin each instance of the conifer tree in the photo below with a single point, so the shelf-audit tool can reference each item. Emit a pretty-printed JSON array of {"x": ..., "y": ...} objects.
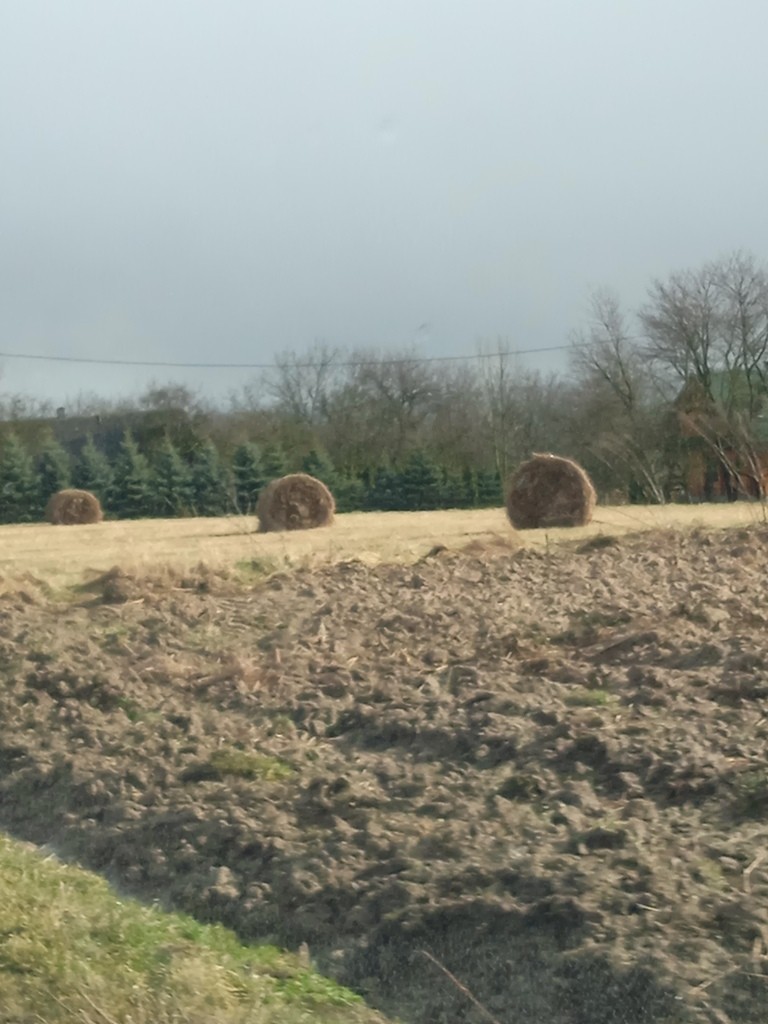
[
  {"x": 171, "y": 481},
  {"x": 469, "y": 488},
  {"x": 318, "y": 465},
  {"x": 384, "y": 493},
  {"x": 420, "y": 483},
  {"x": 489, "y": 490},
  {"x": 93, "y": 473},
  {"x": 273, "y": 462},
  {"x": 133, "y": 497},
  {"x": 349, "y": 493},
  {"x": 454, "y": 491},
  {"x": 53, "y": 468},
  {"x": 19, "y": 487},
  {"x": 210, "y": 482},
  {"x": 248, "y": 477}
]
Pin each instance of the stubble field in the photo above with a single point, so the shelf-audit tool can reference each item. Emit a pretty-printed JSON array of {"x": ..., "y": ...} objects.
[{"x": 62, "y": 556}]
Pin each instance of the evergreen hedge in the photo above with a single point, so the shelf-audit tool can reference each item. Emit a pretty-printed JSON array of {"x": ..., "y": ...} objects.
[{"x": 164, "y": 482}]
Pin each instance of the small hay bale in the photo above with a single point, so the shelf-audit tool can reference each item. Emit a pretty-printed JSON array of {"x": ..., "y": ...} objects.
[
  {"x": 73, "y": 508},
  {"x": 548, "y": 490},
  {"x": 295, "y": 502}
]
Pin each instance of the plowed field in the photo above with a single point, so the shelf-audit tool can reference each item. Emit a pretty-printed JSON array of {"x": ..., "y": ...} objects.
[{"x": 543, "y": 767}]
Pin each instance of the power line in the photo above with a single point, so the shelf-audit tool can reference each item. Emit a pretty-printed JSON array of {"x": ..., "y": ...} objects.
[{"x": 274, "y": 366}]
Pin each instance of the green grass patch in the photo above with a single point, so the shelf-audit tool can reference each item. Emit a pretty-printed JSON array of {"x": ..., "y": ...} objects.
[
  {"x": 590, "y": 698},
  {"x": 228, "y": 761},
  {"x": 710, "y": 873},
  {"x": 71, "y": 951},
  {"x": 751, "y": 793},
  {"x": 252, "y": 570},
  {"x": 131, "y": 708}
]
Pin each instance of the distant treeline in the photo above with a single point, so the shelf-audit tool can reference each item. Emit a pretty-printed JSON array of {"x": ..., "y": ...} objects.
[
  {"x": 201, "y": 481},
  {"x": 652, "y": 399}
]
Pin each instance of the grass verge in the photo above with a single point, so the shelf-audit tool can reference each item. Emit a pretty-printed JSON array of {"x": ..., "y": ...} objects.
[{"x": 70, "y": 950}]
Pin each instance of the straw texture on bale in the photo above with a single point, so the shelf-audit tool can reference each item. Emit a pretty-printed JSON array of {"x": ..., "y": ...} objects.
[
  {"x": 73, "y": 508},
  {"x": 295, "y": 502},
  {"x": 548, "y": 490}
]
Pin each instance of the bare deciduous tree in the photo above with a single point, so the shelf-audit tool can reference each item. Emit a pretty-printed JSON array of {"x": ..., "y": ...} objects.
[
  {"x": 302, "y": 384},
  {"x": 525, "y": 410},
  {"x": 401, "y": 390},
  {"x": 499, "y": 373},
  {"x": 457, "y": 423},
  {"x": 743, "y": 287},
  {"x": 679, "y": 322},
  {"x": 622, "y": 400},
  {"x": 606, "y": 353},
  {"x": 700, "y": 323}
]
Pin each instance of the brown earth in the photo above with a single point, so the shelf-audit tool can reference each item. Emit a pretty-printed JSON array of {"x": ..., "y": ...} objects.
[{"x": 545, "y": 769}]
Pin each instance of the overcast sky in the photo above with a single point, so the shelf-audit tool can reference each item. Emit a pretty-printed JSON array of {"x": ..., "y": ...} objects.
[{"x": 223, "y": 180}]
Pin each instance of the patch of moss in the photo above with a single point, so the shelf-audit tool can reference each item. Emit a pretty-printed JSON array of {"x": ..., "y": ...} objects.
[
  {"x": 132, "y": 710},
  {"x": 229, "y": 761},
  {"x": 590, "y": 698},
  {"x": 751, "y": 793},
  {"x": 710, "y": 873},
  {"x": 280, "y": 725},
  {"x": 251, "y": 570}
]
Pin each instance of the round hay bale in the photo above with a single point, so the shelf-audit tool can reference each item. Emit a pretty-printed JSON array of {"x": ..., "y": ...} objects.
[
  {"x": 295, "y": 502},
  {"x": 73, "y": 508},
  {"x": 548, "y": 490}
]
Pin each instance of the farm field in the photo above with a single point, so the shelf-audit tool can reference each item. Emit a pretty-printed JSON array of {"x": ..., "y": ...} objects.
[
  {"x": 62, "y": 555},
  {"x": 542, "y": 765}
]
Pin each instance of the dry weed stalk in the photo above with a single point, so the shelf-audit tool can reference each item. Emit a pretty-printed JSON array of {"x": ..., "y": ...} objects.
[
  {"x": 461, "y": 987},
  {"x": 735, "y": 449}
]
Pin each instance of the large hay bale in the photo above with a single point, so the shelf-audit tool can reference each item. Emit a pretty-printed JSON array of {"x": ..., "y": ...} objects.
[
  {"x": 548, "y": 490},
  {"x": 295, "y": 502},
  {"x": 73, "y": 508}
]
